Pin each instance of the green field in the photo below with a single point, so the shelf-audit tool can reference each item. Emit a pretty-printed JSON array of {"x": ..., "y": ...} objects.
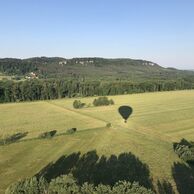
[
  {"x": 158, "y": 120},
  {"x": 2, "y": 77}
]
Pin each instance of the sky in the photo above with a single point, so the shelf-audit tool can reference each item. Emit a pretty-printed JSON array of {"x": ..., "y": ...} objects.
[{"x": 161, "y": 31}]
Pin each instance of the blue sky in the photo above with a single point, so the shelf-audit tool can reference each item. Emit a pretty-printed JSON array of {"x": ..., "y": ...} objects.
[{"x": 158, "y": 30}]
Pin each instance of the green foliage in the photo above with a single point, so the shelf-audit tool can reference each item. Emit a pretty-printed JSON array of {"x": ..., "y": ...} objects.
[
  {"x": 94, "y": 68},
  {"x": 48, "y": 134},
  {"x": 185, "y": 150},
  {"x": 28, "y": 186},
  {"x": 78, "y": 104},
  {"x": 30, "y": 90},
  {"x": 103, "y": 101},
  {"x": 130, "y": 76},
  {"x": 87, "y": 188},
  {"x": 67, "y": 184},
  {"x": 13, "y": 138},
  {"x": 71, "y": 131},
  {"x": 108, "y": 125},
  {"x": 180, "y": 103}
]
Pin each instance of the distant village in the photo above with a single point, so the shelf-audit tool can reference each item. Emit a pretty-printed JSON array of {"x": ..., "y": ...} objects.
[{"x": 31, "y": 75}]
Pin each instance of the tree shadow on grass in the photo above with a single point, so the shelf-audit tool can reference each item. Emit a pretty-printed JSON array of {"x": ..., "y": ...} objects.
[
  {"x": 62, "y": 166},
  {"x": 165, "y": 187},
  {"x": 94, "y": 169},
  {"x": 13, "y": 138},
  {"x": 184, "y": 177}
]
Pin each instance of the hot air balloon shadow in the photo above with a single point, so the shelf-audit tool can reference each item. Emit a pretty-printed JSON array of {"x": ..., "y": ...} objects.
[{"x": 125, "y": 112}]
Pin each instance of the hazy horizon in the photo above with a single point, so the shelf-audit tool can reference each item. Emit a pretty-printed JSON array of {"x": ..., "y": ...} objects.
[{"x": 161, "y": 32}]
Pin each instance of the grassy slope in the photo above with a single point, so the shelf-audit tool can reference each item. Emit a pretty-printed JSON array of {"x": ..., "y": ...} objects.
[{"x": 158, "y": 119}]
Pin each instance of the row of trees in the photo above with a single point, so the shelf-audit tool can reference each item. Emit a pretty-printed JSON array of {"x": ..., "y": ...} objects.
[
  {"x": 30, "y": 90},
  {"x": 67, "y": 184},
  {"x": 102, "y": 101}
]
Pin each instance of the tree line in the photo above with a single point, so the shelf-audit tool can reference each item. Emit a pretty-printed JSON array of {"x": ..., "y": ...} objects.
[
  {"x": 31, "y": 90},
  {"x": 67, "y": 184},
  {"x": 89, "y": 173},
  {"x": 100, "y": 101}
]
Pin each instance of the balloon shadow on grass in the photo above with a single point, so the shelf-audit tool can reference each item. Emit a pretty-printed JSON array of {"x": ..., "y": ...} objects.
[
  {"x": 125, "y": 112},
  {"x": 95, "y": 169}
]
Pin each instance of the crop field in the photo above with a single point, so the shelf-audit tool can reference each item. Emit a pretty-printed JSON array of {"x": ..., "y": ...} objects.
[{"x": 157, "y": 120}]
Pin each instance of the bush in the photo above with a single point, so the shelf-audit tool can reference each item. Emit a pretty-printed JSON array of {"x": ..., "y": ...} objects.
[
  {"x": 185, "y": 150},
  {"x": 64, "y": 184},
  {"x": 103, "y": 101},
  {"x": 48, "y": 134},
  {"x": 13, "y": 138},
  {"x": 108, "y": 125},
  {"x": 78, "y": 104},
  {"x": 72, "y": 130}
]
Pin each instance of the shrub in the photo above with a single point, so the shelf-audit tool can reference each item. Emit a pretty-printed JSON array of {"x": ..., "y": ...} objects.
[
  {"x": 184, "y": 150},
  {"x": 72, "y": 130},
  {"x": 13, "y": 138},
  {"x": 183, "y": 142},
  {"x": 127, "y": 187},
  {"x": 48, "y": 134},
  {"x": 64, "y": 184},
  {"x": 103, "y": 101},
  {"x": 185, "y": 153},
  {"x": 78, "y": 104},
  {"x": 108, "y": 125}
]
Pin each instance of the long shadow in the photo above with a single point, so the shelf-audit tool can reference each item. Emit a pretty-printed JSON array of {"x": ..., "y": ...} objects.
[
  {"x": 62, "y": 166},
  {"x": 165, "y": 187},
  {"x": 13, "y": 138},
  {"x": 94, "y": 169},
  {"x": 184, "y": 177}
]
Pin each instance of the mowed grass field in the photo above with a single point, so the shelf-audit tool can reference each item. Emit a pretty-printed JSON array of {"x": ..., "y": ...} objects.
[{"x": 158, "y": 120}]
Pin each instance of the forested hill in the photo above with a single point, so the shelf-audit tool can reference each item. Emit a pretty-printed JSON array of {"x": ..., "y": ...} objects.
[
  {"x": 107, "y": 69},
  {"x": 51, "y": 78}
]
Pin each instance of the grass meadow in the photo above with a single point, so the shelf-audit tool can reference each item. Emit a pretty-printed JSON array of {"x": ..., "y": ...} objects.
[{"x": 158, "y": 120}]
